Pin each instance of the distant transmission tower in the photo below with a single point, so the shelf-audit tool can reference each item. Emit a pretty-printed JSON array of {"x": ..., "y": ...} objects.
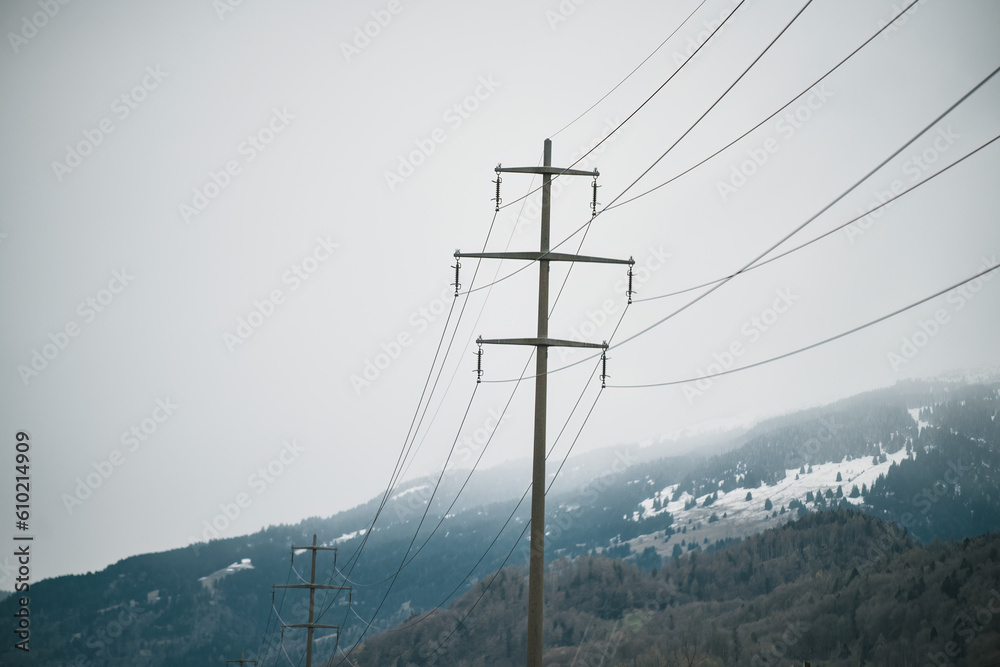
[{"x": 312, "y": 586}]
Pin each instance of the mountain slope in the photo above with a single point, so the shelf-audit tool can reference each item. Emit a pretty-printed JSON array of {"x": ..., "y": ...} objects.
[{"x": 805, "y": 591}]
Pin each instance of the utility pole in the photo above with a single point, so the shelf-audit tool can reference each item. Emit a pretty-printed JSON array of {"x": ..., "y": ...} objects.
[
  {"x": 312, "y": 586},
  {"x": 541, "y": 343},
  {"x": 242, "y": 661}
]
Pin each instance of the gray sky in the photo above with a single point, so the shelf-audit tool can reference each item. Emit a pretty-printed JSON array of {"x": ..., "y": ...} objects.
[{"x": 213, "y": 217}]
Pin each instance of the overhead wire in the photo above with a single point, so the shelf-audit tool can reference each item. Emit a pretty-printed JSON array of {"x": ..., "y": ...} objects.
[
  {"x": 516, "y": 543},
  {"x": 647, "y": 100},
  {"x": 821, "y": 211},
  {"x": 677, "y": 141},
  {"x": 419, "y": 525},
  {"x": 513, "y": 512},
  {"x": 616, "y": 204},
  {"x": 889, "y": 200},
  {"x": 709, "y": 109},
  {"x": 629, "y": 75},
  {"x": 396, "y": 477},
  {"x": 764, "y": 120},
  {"x": 816, "y": 344},
  {"x": 433, "y": 418},
  {"x": 417, "y": 418},
  {"x": 790, "y": 234}
]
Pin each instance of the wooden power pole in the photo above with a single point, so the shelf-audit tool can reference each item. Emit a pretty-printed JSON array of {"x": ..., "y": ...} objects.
[
  {"x": 242, "y": 661},
  {"x": 541, "y": 343},
  {"x": 312, "y": 586}
]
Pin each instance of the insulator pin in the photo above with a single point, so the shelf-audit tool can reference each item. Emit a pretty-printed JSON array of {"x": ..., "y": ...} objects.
[
  {"x": 630, "y": 290},
  {"x": 479, "y": 363},
  {"x": 593, "y": 203},
  {"x": 458, "y": 265},
  {"x": 498, "y": 182}
]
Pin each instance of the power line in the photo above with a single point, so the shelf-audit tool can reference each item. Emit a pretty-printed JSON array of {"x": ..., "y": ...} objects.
[
  {"x": 686, "y": 132},
  {"x": 419, "y": 525},
  {"x": 528, "y": 489},
  {"x": 790, "y": 234},
  {"x": 672, "y": 146},
  {"x": 817, "y": 344},
  {"x": 880, "y": 205},
  {"x": 821, "y": 211},
  {"x": 779, "y": 110},
  {"x": 629, "y": 75},
  {"x": 398, "y": 470},
  {"x": 639, "y": 108},
  {"x": 725, "y": 92},
  {"x": 527, "y": 525},
  {"x": 434, "y": 417}
]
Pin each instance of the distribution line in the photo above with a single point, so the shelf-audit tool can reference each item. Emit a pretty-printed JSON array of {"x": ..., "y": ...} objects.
[
  {"x": 419, "y": 525},
  {"x": 402, "y": 454},
  {"x": 681, "y": 138},
  {"x": 527, "y": 490},
  {"x": 672, "y": 146},
  {"x": 354, "y": 558},
  {"x": 820, "y": 212},
  {"x": 510, "y": 517},
  {"x": 517, "y": 542},
  {"x": 707, "y": 111},
  {"x": 482, "y": 308},
  {"x": 461, "y": 489},
  {"x": 790, "y": 234},
  {"x": 434, "y": 417},
  {"x": 779, "y": 110},
  {"x": 712, "y": 155},
  {"x": 888, "y": 201},
  {"x": 813, "y": 345},
  {"x": 629, "y": 75},
  {"x": 417, "y": 419},
  {"x": 639, "y": 108}
]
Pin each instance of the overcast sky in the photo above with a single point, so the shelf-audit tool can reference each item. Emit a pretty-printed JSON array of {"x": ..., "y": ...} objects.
[{"x": 226, "y": 233}]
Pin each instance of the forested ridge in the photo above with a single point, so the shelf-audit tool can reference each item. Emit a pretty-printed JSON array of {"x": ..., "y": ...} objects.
[{"x": 837, "y": 588}]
